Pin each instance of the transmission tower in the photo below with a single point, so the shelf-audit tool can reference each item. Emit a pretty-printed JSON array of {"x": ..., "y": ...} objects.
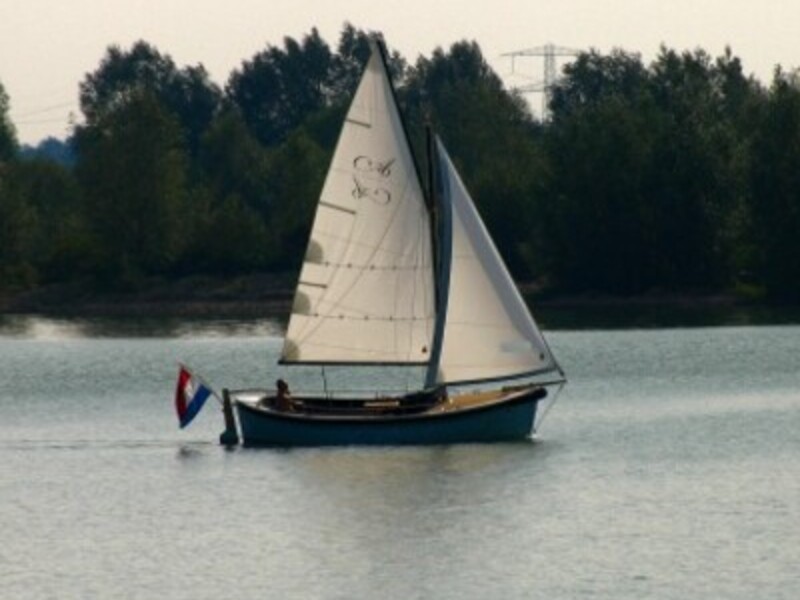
[{"x": 549, "y": 52}]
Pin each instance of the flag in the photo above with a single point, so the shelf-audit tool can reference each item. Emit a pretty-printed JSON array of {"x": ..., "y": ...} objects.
[{"x": 190, "y": 396}]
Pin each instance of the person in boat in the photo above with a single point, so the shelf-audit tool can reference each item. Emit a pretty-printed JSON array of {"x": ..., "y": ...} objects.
[{"x": 283, "y": 397}]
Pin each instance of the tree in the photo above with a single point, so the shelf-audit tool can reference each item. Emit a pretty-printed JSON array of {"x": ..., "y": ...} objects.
[
  {"x": 232, "y": 162},
  {"x": 132, "y": 165},
  {"x": 53, "y": 149},
  {"x": 592, "y": 77},
  {"x": 692, "y": 176},
  {"x": 56, "y": 245},
  {"x": 775, "y": 199},
  {"x": 18, "y": 223},
  {"x": 297, "y": 171},
  {"x": 490, "y": 134},
  {"x": 352, "y": 54},
  {"x": 597, "y": 221},
  {"x": 648, "y": 171},
  {"x": 231, "y": 206},
  {"x": 188, "y": 93},
  {"x": 278, "y": 88},
  {"x": 8, "y": 135}
]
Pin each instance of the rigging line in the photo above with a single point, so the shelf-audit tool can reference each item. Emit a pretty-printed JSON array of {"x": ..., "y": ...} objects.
[{"x": 550, "y": 405}]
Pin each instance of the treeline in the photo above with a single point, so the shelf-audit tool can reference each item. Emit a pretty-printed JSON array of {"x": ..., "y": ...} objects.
[{"x": 681, "y": 175}]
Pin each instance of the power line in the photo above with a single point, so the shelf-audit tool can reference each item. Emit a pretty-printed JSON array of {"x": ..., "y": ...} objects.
[
  {"x": 38, "y": 121},
  {"x": 44, "y": 109}
]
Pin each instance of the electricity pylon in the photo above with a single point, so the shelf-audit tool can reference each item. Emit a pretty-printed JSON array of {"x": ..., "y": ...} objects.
[{"x": 549, "y": 52}]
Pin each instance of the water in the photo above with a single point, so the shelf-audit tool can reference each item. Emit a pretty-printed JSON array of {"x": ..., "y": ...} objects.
[{"x": 670, "y": 468}]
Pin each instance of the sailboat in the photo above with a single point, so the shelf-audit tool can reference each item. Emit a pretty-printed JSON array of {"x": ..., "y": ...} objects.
[{"x": 395, "y": 275}]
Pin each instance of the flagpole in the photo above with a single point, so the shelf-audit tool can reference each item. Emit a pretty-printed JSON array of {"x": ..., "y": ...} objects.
[{"x": 230, "y": 436}]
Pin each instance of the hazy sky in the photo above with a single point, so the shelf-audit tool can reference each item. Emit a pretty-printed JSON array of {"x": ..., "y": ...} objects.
[{"x": 47, "y": 46}]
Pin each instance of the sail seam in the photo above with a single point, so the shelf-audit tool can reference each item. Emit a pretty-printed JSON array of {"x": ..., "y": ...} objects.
[
  {"x": 360, "y": 350},
  {"x": 364, "y": 317},
  {"x": 411, "y": 267},
  {"x": 347, "y": 240}
]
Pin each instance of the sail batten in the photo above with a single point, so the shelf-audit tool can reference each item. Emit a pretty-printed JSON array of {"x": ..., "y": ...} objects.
[{"x": 369, "y": 254}]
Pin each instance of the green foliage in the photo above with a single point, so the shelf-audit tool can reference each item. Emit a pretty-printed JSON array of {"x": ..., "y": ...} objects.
[
  {"x": 18, "y": 224},
  {"x": 132, "y": 166},
  {"x": 232, "y": 162},
  {"x": 678, "y": 175},
  {"x": 775, "y": 199},
  {"x": 229, "y": 236},
  {"x": 188, "y": 93},
  {"x": 649, "y": 170},
  {"x": 57, "y": 243},
  {"x": 297, "y": 172},
  {"x": 8, "y": 134},
  {"x": 489, "y": 134},
  {"x": 596, "y": 217},
  {"x": 279, "y": 88}
]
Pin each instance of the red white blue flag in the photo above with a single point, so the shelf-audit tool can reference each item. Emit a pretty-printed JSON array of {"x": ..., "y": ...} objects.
[{"x": 190, "y": 395}]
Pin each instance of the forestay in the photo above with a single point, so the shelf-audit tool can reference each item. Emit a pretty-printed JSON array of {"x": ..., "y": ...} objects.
[
  {"x": 365, "y": 293},
  {"x": 489, "y": 332}
]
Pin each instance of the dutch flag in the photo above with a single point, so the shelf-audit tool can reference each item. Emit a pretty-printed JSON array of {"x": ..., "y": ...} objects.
[{"x": 190, "y": 395}]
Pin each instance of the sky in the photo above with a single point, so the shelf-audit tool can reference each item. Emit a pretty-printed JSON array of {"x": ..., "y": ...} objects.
[{"x": 48, "y": 46}]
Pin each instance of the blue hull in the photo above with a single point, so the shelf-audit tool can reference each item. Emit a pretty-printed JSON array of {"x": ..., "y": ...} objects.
[{"x": 511, "y": 419}]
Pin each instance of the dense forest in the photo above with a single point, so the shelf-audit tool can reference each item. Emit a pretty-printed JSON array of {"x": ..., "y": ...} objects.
[{"x": 678, "y": 176}]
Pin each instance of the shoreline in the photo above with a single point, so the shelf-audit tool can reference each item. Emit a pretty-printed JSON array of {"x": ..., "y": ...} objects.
[{"x": 269, "y": 295}]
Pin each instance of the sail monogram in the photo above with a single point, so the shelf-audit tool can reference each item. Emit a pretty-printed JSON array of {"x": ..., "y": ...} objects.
[{"x": 365, "y": 164}]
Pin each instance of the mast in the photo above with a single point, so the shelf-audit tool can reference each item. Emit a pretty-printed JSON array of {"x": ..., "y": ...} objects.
[
  {"x": 440, "y": 225},
  {"x": 442, "y": 245}
]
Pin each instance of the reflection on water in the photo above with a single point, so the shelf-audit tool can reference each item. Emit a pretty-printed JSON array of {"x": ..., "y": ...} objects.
[
  {"x": 54, "y": 328},
  {"x": 654, "y": 316},
  {"x": 549, "y": 317},
  {"x": 669, "y": 469}
]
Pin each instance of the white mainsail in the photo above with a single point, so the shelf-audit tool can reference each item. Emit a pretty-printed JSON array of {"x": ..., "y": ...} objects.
[
  {"x": 488, "y": 331},
  {"x": 365, "y": 293}
]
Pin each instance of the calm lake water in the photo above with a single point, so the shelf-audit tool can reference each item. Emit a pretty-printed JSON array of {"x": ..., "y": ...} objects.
[{"x": 669, "y": 468}]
